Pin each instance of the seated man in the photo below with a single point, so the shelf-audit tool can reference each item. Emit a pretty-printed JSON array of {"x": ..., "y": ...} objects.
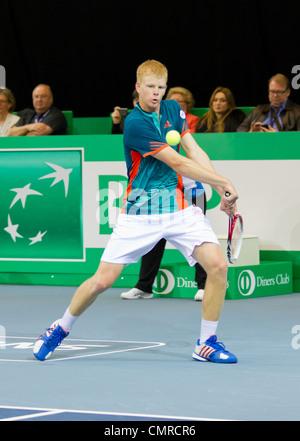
[
  {"x": 44, "y": 119},
  {"x": 281, "y": 114}
]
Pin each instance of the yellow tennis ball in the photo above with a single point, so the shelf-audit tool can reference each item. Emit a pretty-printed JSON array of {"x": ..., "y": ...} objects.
[{"x": 173, "y": 137}]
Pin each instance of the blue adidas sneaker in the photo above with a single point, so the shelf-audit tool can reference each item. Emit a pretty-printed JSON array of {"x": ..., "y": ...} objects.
[
  {"x": 48, "y": 342},
  {"x": 211, "y": 350}
]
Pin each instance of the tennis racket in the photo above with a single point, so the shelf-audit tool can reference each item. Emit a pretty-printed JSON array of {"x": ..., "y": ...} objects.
[{"x": 235, "y": 236}]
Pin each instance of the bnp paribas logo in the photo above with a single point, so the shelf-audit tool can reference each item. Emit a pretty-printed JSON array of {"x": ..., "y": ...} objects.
[{"x": 40, "y": 202}]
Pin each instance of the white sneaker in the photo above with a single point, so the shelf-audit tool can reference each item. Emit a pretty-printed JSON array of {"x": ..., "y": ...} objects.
[
  {"x": 199, "y": 296},
  {"x": 136, "y": 293}
]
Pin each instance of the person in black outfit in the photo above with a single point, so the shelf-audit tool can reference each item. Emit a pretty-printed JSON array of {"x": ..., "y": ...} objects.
[
  {"x": 44, "y": 119},
  {"x": 222, "y": 116}
]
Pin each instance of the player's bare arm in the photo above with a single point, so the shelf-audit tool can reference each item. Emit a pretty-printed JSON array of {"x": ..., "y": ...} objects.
[
  {"x": 194, "y": 152},
  {"x": 197, "y": 154},
  {"x": 191, "y": 169}
]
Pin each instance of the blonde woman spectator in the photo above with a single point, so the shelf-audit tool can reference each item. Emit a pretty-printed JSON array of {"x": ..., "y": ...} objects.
[
  {"x": 186, "y": 101},
  {"x": 223, "y": 115},
  {"x": 7, "y": 106}
]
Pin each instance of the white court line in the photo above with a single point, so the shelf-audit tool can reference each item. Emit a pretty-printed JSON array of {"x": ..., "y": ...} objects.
[
  {"x": 108, "y": 352},
  {"x": 136, "y": 415},
  {"x": 52, "y": 360},
  {"x": 32, "y": 415}
]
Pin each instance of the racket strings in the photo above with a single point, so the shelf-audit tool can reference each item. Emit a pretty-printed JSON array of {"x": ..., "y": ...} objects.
[{"x": 236, "y": 239}]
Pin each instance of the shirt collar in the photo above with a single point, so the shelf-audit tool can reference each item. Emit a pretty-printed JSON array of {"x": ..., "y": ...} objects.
[
  {"x": 152, "y": 115},
  {"x": 280, "y": 108}
]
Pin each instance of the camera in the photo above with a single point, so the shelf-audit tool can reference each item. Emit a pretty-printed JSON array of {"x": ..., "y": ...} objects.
[{"x": 123, "y": 111}]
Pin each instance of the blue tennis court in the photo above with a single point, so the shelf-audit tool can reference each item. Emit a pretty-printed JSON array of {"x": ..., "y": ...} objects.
[{"x": 131, "y": 360}]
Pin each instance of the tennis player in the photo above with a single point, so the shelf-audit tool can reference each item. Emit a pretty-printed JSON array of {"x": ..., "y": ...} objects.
[{"x": 155, "y": 208}]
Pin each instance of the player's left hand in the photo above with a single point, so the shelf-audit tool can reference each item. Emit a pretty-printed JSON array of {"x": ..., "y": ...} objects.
[{"x": 228, "y": 200}]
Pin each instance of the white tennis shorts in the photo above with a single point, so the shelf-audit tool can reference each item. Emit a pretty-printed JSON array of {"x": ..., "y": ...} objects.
[{"x": 135, "y": 235}]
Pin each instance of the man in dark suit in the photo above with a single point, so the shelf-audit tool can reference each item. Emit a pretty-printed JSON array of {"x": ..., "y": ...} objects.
[{"x": 281, "y": 114}]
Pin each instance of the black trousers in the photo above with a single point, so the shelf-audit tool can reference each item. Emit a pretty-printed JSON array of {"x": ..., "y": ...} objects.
[{"x": 151, "y": 261}]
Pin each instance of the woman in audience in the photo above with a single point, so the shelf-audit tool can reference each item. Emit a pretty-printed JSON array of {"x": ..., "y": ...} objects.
[
  {"x": 7, "y": 106},
  {"x": 223, "y": 115},
  {"x": 186, "y": 100}
]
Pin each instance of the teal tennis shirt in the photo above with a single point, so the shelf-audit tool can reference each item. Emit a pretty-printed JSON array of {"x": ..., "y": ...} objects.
[{"x": 153, "y": 187}]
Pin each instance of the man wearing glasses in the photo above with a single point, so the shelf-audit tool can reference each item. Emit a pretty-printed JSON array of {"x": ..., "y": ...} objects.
[{"x": 281, "y": 114}]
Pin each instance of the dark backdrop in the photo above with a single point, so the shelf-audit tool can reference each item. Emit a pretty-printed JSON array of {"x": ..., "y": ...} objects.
[{"x": 88, "y": 51}]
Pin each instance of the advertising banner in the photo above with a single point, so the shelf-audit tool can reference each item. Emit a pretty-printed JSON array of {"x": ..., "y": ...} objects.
[
  {"x": 266, "y": 279},
  {"x": 41, "y": 205},
  {"x": 58, "y": 207}
]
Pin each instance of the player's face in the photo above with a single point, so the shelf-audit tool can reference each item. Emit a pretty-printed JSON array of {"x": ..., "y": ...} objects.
[{"x": 151, "y": 91}]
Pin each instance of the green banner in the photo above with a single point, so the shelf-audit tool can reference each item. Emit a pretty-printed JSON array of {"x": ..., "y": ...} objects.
[
  {"x": 175, "y": 281},
  {"x": 266, "y": 279},
  {"x": 41, "y": 200},
  {"x": 240, "y": 156}
]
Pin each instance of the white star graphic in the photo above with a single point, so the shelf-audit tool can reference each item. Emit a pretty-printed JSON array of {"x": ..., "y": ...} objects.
[
  {"x": 37, "y": 238},
  {"x": 22, "y": 194},
  {"x": 60, "y": 174},
  {"x": 12, "y": 230}
]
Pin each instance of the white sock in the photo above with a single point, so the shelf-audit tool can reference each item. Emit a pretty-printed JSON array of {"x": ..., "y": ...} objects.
[
  {"x": 67, "y": 321},
  {"x": 208, "y": 329}
]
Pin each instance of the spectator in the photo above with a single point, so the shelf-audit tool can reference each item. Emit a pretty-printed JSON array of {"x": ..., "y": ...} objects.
[
  {"x": 7, "y": 106},
  {"x": 118, "y": 118},
  {"x": 281, "y": 114},
  {"x": 44, "y": 119},
  {"x": 186, "y": 101},
  {"x": 223, "y": 115}
]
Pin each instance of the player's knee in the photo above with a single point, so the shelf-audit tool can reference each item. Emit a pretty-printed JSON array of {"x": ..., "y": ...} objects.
[
  {"x": 219, "y": 269},
  {"x": 101, "y": 283},
  {"x": 223, "y": 267}
]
